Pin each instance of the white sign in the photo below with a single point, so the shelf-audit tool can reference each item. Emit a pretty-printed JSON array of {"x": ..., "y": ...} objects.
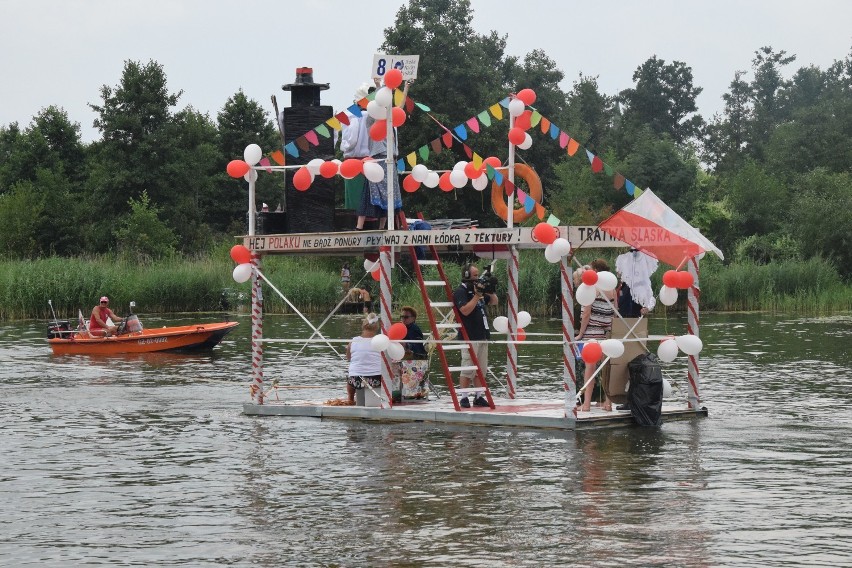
[{"x": 382, "y": 62}]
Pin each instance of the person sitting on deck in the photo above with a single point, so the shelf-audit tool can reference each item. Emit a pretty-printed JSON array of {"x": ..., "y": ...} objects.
[
  {"x": 413, "y": 367},
  {"x": 98, "y": 323}
]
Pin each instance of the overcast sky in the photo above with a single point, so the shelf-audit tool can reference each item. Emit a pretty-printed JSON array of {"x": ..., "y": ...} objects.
[{"x": 62, "y": 52}]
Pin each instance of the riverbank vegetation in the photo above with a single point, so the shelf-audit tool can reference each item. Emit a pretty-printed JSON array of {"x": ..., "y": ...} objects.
[
  {"x": 182, "y": 284},
  {"x": 142, "y": 211}
]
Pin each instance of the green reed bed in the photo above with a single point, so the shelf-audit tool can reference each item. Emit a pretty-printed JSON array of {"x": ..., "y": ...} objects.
[{"x": 313, "y": 285}]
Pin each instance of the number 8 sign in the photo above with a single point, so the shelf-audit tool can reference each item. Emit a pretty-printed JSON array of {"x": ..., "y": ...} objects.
[{"x": 405, "y": 63}]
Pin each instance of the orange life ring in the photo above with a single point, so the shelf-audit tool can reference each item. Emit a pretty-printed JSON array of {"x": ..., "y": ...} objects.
[{"x": 498, "y": 195}]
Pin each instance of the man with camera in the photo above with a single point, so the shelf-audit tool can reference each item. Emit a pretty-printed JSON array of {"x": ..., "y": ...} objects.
[{"x": 471, "y": 298}]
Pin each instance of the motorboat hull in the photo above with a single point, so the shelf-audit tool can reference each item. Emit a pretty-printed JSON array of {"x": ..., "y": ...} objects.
[{"x": 180, "y": 338}]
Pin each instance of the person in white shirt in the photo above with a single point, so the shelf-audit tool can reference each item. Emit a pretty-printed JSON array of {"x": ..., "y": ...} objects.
[
  {"x": 355, "y": 143},
  {"x": 365, "y": 364}
]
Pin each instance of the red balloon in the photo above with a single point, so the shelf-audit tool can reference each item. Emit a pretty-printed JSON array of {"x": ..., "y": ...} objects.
[
  {"x": 302, "y": 179},
  {"x": 376, "y": 274},
  {"x": 410, "y": 184},
  {"x": 351, "y": 168},
  {"x": 684, "y": 280},
  {"x": 328, "y": 169},
  {"x": 592, "y": 352},
  {"x": 494, "y": 161},
  {"x": 398, "y": 116},
  {"x": 240, "y": 254},
  {"x": 545, "y": 233},
  {"x": 444, "y": 182},
  {"x": 670, "y": 278},
  {"x": 516, "y": 135},
  {"x": 397, "y": 331},
  {"x": 393, "y": 78},
  {"x": 524, "y": 121},
  {"x": 522, "y": 335},
  {"x": 526, "y": 95},
  {"x": 379, "y": 130},
  {"x": 590, "y": 277},
  {"x": 472, "y": 172},
  {"x": 237, "y": 168}
]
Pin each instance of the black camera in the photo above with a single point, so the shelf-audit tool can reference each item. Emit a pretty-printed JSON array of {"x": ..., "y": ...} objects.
[{"x": 486, "y": 284}]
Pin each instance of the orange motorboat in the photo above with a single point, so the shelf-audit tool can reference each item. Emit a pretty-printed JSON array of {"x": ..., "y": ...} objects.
[{"x": 131, "y": 338}]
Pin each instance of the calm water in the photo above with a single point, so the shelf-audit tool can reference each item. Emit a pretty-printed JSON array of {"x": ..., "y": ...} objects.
[{"x": 147, "y": 460}]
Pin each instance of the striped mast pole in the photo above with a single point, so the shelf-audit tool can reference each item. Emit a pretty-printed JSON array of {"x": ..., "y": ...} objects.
[
  {"x": 569, "y": 369},
  {"x": 692, "y": 297},
  {"x": 256, "y": 303},
  {"x": 385, "y": 295},
  {"x": 512, "y": 270}
]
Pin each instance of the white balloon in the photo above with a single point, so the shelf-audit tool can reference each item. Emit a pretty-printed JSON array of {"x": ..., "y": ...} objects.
[
  {"x": 250, "y": 176},
  {"x": 377, "y": 111},
  {"x": 338, "y": 162},
  {"x": 526, "y": 143},
  {"x": 458, "y": 178},
  {"x": 419, "y": 172},
  {"x": 585, "y": 294},
  {"x": 373, "y": 172},
  {"x": 384, "y": 97},
  {"x": 432, "y": 179},
  {"x": 460, "y": 165},
  {"x": 396, "y": 351},
  {"x": 612, "y": 348},
  {"x": 379, "y": 342},
  {"x": 314, "y": 165},
  {"x": 524, "y": 319},
  {"x": 667, "y": 388},
  {"x": 689, "y": 344},
  {"x": 607, "y": 281},
  {"x": 370, "y": 265},
  {"x": 551, "y": 255},
  {"x": 667, "y": 351},
  {"x": 242, "y": 272},
  {"x": 516, "y": 107},
  {"x": 501, "y": 324},
  {"x": 562, "y": 246},
  {"x": 668, "y": 296},
  {"x": 480, "y": 183},
  {"x": 252, "y": 154}
]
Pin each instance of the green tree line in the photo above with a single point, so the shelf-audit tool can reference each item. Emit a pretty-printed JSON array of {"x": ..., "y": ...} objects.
[{"x": 768, "y": 179}]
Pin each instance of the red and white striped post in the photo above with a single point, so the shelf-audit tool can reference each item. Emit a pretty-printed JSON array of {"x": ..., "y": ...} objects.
[
  {"x": 512, "y": 309},
  {"x": 569, "y": 369},
  {"x": 386, "y": 305},
  {"x": 256, "y": 331},
  {"x": 693, "y": 294}
]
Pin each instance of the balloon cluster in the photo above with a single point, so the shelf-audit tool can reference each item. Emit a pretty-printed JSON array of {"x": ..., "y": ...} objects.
[
  {"x": 518, "y": 134},
  {"x": 243, "y": 168},
  {"x": 457, "y": 178},
  {"x": 593, "y": 350},
  {"x": 501, "y": 324},
  {"x": 390, "y": 342},
  {"x": 674, "y": 280},
  {"x": 593, "y": 281},
  {"x": 242, "y": 256},
  {"x": 556, "y": 247},
  {"x": 669, "y": 347}
]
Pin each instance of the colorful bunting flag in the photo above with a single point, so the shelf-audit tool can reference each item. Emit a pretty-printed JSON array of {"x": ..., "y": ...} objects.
[
  {"x": 496, "y": 111},
  {"x": 529, "y": 205},
  {"x": 323, "y": 131},
  {"x": 573, "y": 145},
  {"x": 291, "y": 149},
  {"x": 424, "y": 152},
  {"x": 473, "y": 124},
  {"x": 590, "y": 156},
  {"x": 563, "y": 140},
  {"x": 607, "y": 169},
  {"x": 266, "y": 163},
  {"x": 638, "y": 193},
  {"x": 554, "y": 131},
  {"x": 535, "y": 118},
  {"x": 597, "y": 165},
  {"x": 397, "y": 97},
  {"x": 461, "y": 132},
  {"x": 436, "y": 145},
  {"x": 553, "y": 220},
  {"x": 521, "y": 195},
  {"x": 302, "y": 143},
  {"x": 545, "y": 125},
  {"x": 618, "y": 181},
  {"x": 342, "y": 117},
  {"x": 510, "y": 187},
  {"x": 447, "y": 138},
  {"x": 468, "y": 152},
  {"x": 628, "y": 185},
  {"x": 484, "y": 118},
  {"x": 355, "y": 111},
  {"x": 400, "y": 165},
  {"x": 311, "y": 137},
  {"x": 412, "y": 159},
  {"x": 335, "y": 123},
  {"x": 539, "y": 211},
  {"x": 278, "y": 157},
  {"x": 423, "y": 107}
]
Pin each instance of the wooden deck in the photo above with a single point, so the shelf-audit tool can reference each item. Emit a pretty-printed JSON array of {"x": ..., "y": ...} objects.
[{"x": 521, "y": 413}]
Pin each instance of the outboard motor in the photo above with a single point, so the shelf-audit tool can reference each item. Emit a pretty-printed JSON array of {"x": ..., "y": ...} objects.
[
  {"x": 132, "y": 324},
  {"x": 58, "y": 329},
  {"x": 645, "y": 395}
]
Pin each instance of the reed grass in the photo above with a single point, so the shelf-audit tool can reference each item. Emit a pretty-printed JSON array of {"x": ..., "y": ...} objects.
[{"x": 312, "y": 284}]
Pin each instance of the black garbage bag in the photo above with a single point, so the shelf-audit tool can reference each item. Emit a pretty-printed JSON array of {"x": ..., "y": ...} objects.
[{"x": 645, "y": 395}]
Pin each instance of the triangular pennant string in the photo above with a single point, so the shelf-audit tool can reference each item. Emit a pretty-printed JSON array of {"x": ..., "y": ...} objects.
[
  {"x": 424, "y": 152},
  {"x": 629, "y": 187},
  {"x": 573, "y": 146},
  {"x": 302, "y": 143},
  {"x": 311, "y": 137},
  {"x": 554, "y": 131},
  {"x": 545, "y": 125},
  {"x": 590, "y": 156},
  {"x": 529, "y": 205},
  {"x": 498, "y": 178},
  {"x": 638, "y": 193},
  {"x": 291, "y": 149},
  {"x": 490, "y": 171},
  {"x": 505, "y": 102},
  {"x": 411, "y": 159},
  {"x": 522, "y": 196},
  {"x": 409, "y": 105},
  {"x": 484, "y": 118},
  {"x": 553, "y": 220},
  {"x": 539, "y": 211},
  {"x": 618, "y": 181},
  {"x": 423, "y": 107},
  {"x": 334, "y": 123},
  {"x": 355, "y": 110},
  {"x": 563, "y": 140},
  {"x": 277, "y": 157},
  {"x": 461, "y": 132},
  {"x": 323, "y": 131},
  {"x": 535, "y": 118},
  {"x": 477, "y": 160},
  {"x": 597, "y": 165},
  {"x": 607, "y": 169},
  {"x": 510, "y": 187},
  {"x": 436, "y": 145},
  {"x": 266, "y": 163},
  {"x": 496, "y": 111},
  {"x": 473, "y": 124},
  {"x": 447, "y": 139},
  {"x": 468, "y": 152},
  {"x": 400, "y": 165},
  {"x": 342, "y": 117},
  {"x": 397, "y": 97}
]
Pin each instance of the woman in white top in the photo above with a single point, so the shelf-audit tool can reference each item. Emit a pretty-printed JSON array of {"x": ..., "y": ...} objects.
[{"x": 365, "y": 365}]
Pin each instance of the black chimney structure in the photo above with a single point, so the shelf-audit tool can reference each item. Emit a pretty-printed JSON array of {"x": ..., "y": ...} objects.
[{"x": 310, "y": 211}]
